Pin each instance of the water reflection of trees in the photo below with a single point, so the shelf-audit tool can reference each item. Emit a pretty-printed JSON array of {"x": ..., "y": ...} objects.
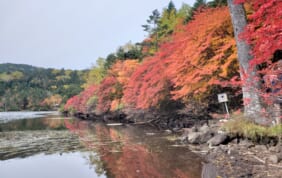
[
  {"x": 34, "y": 124},
  {"x": 123, "y": 152}
]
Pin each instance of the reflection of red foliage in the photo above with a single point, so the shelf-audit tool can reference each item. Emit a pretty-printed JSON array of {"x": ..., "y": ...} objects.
[{"x": 123, "y": 156}]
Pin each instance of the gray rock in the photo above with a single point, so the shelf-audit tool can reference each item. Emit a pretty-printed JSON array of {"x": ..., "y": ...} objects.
[
  {"x": 204, "y": 128},
  {"x": 217, "y": 140},
  {"x": 209, "y": 171},
  {"x": 194, "y": 129},
  {"x": 199, "y": 137},
  {"x": 246, "y": 143},
  {"x": 261, "y": 148},
  {"x": 274, "y": 159},
  {"x": 276, "y": 149},
  {"x": 232, "y": 151},
  {"x": 206, "y": 136},
  {"x": 194, "y": 137}
]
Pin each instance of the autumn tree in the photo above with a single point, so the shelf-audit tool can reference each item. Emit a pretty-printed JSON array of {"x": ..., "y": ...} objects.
[
  {"x": 111, "y": 88},
  {"x": 148, "y": 86},
  {"x": 262, "y": 32},
  {"x": 201, "y": 53},
  {"x": 52, "y": 101}
]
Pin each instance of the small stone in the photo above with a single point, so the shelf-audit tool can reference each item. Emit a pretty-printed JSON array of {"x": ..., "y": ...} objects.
[
  {"x": 168, "y": 131},
  {"x": 231, "y": 151},
  {"x": 261, "y": 148},
  {"x": 194, "y": 129},
  {"x": 274, "y": 159}
]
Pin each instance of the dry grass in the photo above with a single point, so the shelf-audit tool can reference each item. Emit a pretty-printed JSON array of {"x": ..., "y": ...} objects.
[{"x": 239, "y": 125}]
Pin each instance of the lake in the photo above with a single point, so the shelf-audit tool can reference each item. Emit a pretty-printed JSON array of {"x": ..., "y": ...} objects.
[{"x": 46, "y": 145}]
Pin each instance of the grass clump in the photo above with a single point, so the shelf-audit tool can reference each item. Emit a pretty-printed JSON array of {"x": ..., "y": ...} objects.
[{"x": 240, "y": 126}]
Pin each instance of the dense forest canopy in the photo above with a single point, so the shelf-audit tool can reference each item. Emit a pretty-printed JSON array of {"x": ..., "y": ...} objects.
[{"x": 24, "y": 87}]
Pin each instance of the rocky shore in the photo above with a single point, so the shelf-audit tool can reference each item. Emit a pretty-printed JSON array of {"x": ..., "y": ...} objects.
[{"x": 228, "y": 156}]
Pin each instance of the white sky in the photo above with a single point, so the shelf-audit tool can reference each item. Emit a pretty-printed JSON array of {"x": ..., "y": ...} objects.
[{"x": 71, "y": 34}]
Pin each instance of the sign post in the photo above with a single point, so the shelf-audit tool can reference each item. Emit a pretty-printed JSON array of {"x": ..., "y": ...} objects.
[{"x": 222, "y": 98}]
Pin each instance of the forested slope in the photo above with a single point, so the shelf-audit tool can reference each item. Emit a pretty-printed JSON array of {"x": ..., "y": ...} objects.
[{"x": 24, "y": 87}]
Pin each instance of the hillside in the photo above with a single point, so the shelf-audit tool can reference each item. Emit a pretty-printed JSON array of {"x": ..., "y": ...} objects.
[{"x": 25, "y": 87}]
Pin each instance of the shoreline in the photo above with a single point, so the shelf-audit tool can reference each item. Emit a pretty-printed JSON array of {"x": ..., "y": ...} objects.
[{"x": 226, "y": 156}]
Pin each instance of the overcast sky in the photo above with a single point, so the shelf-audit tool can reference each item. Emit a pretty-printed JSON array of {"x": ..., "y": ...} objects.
[{"x": 71, "y": 34}]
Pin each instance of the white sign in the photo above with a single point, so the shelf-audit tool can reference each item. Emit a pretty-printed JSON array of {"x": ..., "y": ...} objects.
[{"x": 222, "y": 97}]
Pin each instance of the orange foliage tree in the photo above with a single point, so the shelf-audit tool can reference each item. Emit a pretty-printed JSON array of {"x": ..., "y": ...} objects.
[
  {"x": 203, "y": 53},
  {"x": 200, "y": 54},
  {"x": 52, "y": 101},
  {"x": 110, "y": 90}
]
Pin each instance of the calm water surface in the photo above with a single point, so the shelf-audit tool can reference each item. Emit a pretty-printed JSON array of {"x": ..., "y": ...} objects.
[{"x": 51, "y": 146}]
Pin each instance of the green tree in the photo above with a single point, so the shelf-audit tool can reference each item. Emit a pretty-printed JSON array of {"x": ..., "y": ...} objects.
[
  {"x": 110, "y": 60},
  {"x": 152, "y": 26},
  {"x": 185, "y": 12},
  {"x": 216, "y": 3},
  {"x": 167, "y": 21},
  {"x": 199, "y": 3},
  {"x": 97, "y": 73}
]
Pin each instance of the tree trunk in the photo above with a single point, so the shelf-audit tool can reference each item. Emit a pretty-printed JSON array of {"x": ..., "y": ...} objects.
[{"x": 250, "y": 86}]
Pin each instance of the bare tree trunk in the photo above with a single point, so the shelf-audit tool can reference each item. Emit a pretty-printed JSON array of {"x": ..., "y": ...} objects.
[{"x": 248, "y": 74}]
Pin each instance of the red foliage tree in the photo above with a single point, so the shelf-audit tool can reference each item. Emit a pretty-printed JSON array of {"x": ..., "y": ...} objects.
[
  {"x": 148, "y": 85},
  {"x": 109, "y": 90},
  {"x": 78, "y": 103},
  {"x": 263, "y": 31},
  {"x": 72, "y": 104},
  {"x": 202, "y": 52}
]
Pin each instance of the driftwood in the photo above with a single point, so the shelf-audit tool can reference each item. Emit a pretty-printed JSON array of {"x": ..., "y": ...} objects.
[
  {"x": 114, "y": 124},
  {"x": 262, "y": 161}
]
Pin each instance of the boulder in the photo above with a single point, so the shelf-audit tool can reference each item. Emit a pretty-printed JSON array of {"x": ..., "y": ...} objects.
[
  {"x": 217, "y": 140},
  {"x": 206, "y": 136},
  {"x": 194, "y": 137},
  {"x": 199, "y": 137}
]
